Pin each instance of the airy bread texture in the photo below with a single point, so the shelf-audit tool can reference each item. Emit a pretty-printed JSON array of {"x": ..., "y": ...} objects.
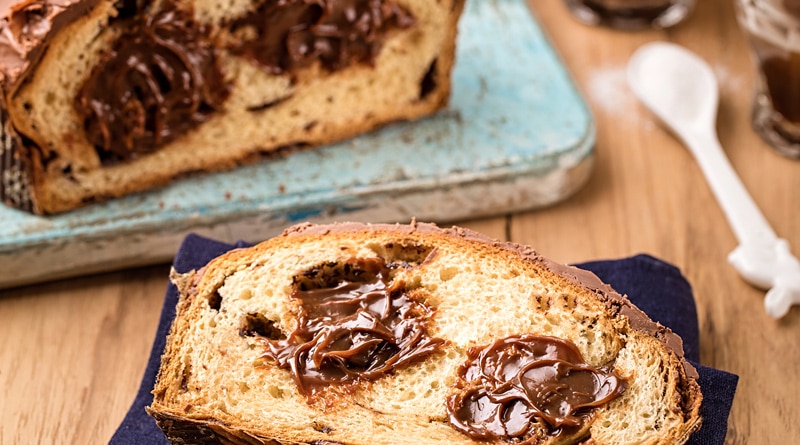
[
  {"x": 264, "y": 112},
  {"x": 215, "y": 385}
]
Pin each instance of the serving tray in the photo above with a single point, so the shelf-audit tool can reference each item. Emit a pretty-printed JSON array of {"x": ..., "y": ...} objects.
[{"x": 516, "y": 136}]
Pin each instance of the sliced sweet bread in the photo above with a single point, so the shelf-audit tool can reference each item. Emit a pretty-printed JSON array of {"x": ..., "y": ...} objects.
[
  {"x": 361, "y": 334},
  {"x": 101, "y": 98}
]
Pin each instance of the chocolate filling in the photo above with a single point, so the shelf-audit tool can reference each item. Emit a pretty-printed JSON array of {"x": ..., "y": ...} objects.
[
  {"x": 285, "y": 35},
  {"x": 160, "y": 79},
  {"x": 255, "y": 324},
  {"x": 355, "y": 324},
  {"x": 513, "y": 387}
]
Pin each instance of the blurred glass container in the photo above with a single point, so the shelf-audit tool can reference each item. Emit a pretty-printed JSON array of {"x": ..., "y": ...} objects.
[
  {"x": 631, "y": 14},
  {"x": 773, "y": 28}
]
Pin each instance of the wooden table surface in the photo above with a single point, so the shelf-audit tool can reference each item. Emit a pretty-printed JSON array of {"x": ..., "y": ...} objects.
[{"x": 72, "y": 352}]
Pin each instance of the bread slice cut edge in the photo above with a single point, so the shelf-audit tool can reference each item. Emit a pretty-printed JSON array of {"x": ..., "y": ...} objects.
[{"x": 194, "y": 405}]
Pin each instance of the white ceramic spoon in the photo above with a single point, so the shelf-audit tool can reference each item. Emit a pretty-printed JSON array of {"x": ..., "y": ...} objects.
[{"x": 681, "y": 90}]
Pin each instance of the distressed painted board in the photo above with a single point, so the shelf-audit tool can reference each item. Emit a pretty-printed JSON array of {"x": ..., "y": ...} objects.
[{"x": 516, "y": 136}]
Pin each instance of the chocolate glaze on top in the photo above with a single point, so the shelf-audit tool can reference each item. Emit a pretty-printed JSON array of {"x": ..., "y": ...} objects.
[{"x": 25, "y": 29}]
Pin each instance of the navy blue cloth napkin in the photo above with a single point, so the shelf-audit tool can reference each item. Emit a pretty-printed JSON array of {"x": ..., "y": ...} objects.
[{"x": 656, "y": 287}]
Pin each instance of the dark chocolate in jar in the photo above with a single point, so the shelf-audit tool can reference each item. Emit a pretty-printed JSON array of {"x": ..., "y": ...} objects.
[
  {"x": 509, "y": 389},
  {"x": 792, "y": 7},
  {"x": 780, "y": 69},
  {"x": 631, "y": 14},
  {"x": 644, "y": 10},
  {"x": 160, "y": 79}
]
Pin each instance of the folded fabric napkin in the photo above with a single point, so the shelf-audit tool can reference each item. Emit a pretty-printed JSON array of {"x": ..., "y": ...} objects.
[{"x": 654, "y": 286}]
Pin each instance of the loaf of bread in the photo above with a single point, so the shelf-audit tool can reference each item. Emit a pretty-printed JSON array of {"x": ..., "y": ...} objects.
[
  {"x": 102, "y": 98},
  {"x": 361, "y": 334}
]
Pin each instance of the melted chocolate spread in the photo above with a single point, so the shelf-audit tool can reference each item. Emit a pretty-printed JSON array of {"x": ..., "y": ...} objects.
[
  {"x": 510, "y": 387},
  {"x": 292, "y": 34},
  {"x": 160, "y": 79},
  {"x": 351, "y": 328}
]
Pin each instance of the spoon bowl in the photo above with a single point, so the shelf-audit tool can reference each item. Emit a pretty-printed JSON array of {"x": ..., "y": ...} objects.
[{"x": 676, "y": 85}]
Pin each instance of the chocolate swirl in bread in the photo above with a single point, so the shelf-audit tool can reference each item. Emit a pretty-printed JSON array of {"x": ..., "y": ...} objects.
[
  {"x": 159, "y": 80},
  {"x": 338, "y": 33}
]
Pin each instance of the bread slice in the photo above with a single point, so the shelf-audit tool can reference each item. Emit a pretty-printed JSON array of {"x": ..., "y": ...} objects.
[
  {"x": 102, "y": 98},
  {"x": 219, "y": 382}
]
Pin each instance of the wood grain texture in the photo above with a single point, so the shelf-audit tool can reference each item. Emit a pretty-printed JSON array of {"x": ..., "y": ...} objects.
[{"x": 73, "y": 351}]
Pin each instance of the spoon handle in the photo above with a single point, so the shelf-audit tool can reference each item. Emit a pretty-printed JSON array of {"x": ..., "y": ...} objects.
[
  {"x": 761, "y": 258},
  {"x": 748, "y": 223}
]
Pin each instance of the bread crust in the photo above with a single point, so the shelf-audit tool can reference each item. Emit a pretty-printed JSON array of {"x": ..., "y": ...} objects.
[{"x": 629, "y": 332}]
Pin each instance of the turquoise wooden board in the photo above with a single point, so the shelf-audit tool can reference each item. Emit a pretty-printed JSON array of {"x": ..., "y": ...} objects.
[{"x": 516, "y": 136}]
